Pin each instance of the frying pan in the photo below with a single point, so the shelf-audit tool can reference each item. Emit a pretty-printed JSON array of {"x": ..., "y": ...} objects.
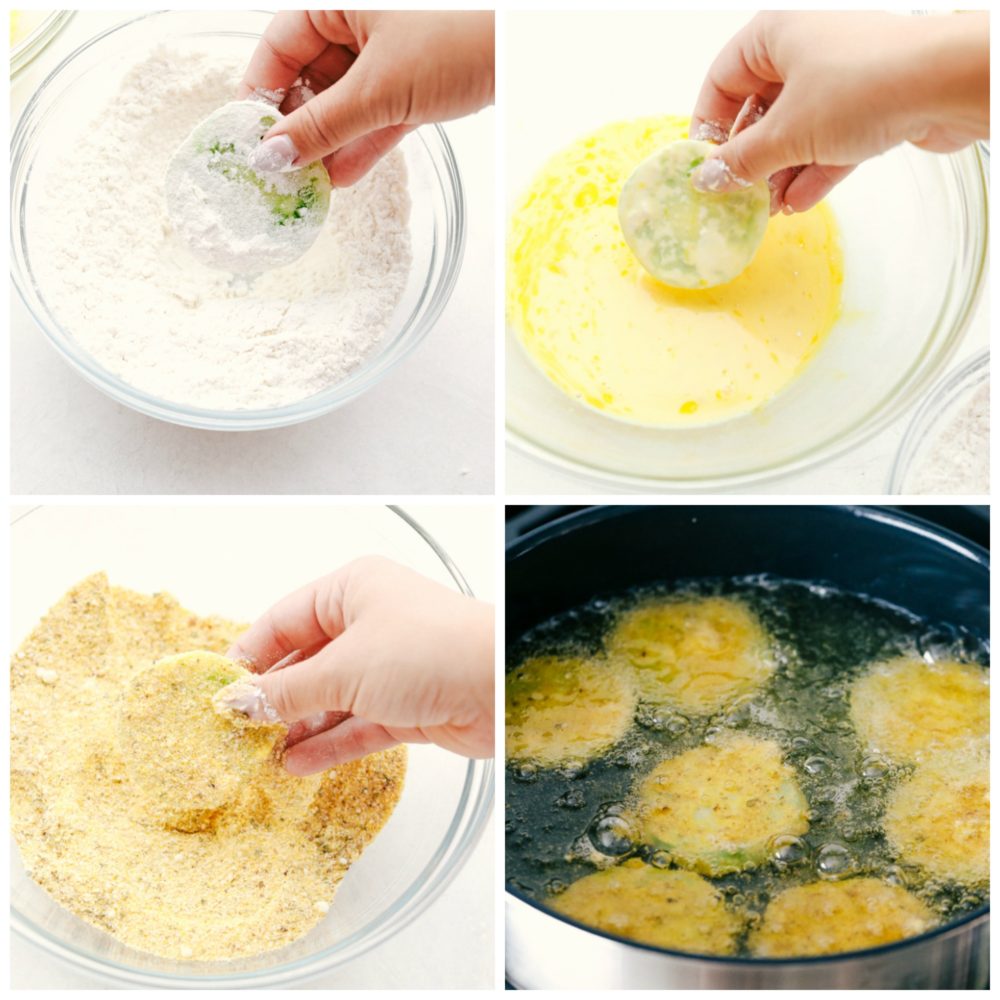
[{"x": 881, "y": 553}]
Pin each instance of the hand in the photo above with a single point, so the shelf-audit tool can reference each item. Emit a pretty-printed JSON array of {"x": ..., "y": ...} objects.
[
  {"x": 376, "y": 75},
  {"x": 838, "y": 89},
  {"x": 387, "y": 657}
]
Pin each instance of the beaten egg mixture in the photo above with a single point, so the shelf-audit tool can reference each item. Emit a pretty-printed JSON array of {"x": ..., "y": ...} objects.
[{"x": 611, "y": 336}]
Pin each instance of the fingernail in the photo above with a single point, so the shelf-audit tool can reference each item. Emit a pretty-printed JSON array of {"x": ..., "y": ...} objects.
[
  {"x": 274, "y": 155},
  {"x": 248, "y": 699},
  {"x": 711, "y": 132},
  {"x": 752, "y": 111},
  {"x": 787, "y": 210},
  {"x": 715, "y": 177}
]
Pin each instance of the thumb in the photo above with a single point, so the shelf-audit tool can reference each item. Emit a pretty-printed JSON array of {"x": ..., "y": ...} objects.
[
  {"x": 749, "y": 156},
  {"x": 332, "y": 119},
  {"x": 326, "y": 682}
]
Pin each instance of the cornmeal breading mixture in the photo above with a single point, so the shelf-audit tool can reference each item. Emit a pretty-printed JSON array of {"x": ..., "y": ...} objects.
[
  {"x": 254, "y": 875},
  {"x": 189, "y": 766}
]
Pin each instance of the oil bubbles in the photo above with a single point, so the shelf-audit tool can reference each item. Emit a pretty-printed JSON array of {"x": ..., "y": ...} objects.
[
  {"x": 786, "y": 850},
  {"x": 612, "y": 835},
  {"x": 834, "y": 862}
]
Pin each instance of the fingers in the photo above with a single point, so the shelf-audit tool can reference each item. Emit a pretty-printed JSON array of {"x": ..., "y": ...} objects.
[
  {"x": 307, "y": 618},
  {"x": 811, "y": 185},
  {"x": 350, "y": 163},
  {"x": 754, "y": 108},
  {"x": 289, "y": 42},
  {"x": 769, "y": 147},
  {"x": 741, "y": 85},
  {"x": 304, "y": 729},
  {"x": 343, "y": 112},
  {"x": 752, "y": 155},
  {"x": 350, "y": 740},
  {"x": 730, "y": 80},
  {"x": 329, "y": 67},
  {"x": 778, "y": 183},
  {"x": 326, "y": 682}
]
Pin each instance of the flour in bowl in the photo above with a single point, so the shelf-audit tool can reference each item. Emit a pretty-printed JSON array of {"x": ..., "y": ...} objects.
[
  {"x": 123, "y": 284},
  {"x": 957, "y": 460}
]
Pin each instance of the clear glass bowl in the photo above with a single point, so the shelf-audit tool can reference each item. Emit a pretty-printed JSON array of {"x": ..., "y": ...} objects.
[
  {"x": 28, "y": 48},
  {"x": 65, "y": 103},
  {"x": 914, "y": 234},
  {"x": 202, "y": 556},
  {"x": 934, "y": 415}
]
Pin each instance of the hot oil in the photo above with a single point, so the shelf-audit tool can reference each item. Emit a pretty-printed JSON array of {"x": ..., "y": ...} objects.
[{"x": 562, "y": 823}]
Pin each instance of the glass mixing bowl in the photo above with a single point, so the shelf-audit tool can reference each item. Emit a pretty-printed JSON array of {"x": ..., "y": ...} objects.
[
  {"x": 211, "y": 560},
  {"x": 914, "y": 234},
  {"x": 934, "y": 415},
  {"x": 65, "y": 104}
]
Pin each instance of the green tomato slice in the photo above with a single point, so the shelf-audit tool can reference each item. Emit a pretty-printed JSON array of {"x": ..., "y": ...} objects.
[
  {"x": 684, "y": 237},
  {"x": 231, "y": 216}
]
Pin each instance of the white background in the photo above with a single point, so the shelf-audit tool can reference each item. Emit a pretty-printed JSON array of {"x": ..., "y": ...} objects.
[
  {"x": 427, "y": 427},
  {"x": 451, "y": 944}
]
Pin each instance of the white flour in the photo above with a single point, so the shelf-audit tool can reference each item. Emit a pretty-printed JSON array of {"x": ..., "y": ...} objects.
[
  {"x": 957, "y": 462},
  {"x": 232, "y": 217},
  {"x": 124, "y": 285}
]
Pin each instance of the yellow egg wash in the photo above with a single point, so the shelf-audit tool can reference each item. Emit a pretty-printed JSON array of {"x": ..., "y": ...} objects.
[{"x": 611, "y": 336}]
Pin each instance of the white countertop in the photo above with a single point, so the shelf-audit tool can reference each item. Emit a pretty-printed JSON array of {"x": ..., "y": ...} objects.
[
  {"x": 452, "y": 943},
  {"x": 426, "y": 428}
]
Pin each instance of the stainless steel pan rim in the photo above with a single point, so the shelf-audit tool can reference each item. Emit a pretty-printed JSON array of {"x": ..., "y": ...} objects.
[{"x": 836, "y": 957}]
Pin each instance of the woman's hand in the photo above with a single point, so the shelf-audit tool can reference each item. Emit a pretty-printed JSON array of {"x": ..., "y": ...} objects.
[
  {"x": 386, "y": 656},
  {"x": 838, "y": 88},
  {"x": 376, "y": 76}
]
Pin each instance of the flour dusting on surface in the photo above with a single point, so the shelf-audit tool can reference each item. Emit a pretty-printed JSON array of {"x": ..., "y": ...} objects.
[{"x": 121, "y": 281}]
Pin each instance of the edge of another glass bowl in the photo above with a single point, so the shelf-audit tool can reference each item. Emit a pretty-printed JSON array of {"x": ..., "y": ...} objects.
[
  {"x": 474, "y": 808},
  {"x": 30, "y": 48},
  {"x": 967, "y": 376},
  {"x": 425, "y": 314},
  {"x": 972, "y": 177}
]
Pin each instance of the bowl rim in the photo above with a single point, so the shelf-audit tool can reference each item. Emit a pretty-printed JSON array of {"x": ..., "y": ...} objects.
[
  {"x": 36, "y": 41},
  {"x": 970, "y": 169},
  {"x": 432, "y": 300},
  {"x": 969, "y": 375},
  {"x": 473, "y": 811},
  {"x": 964, "y": 547}
]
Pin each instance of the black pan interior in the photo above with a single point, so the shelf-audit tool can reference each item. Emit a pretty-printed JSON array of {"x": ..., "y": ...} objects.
[{"x": 879, "y": 553}]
